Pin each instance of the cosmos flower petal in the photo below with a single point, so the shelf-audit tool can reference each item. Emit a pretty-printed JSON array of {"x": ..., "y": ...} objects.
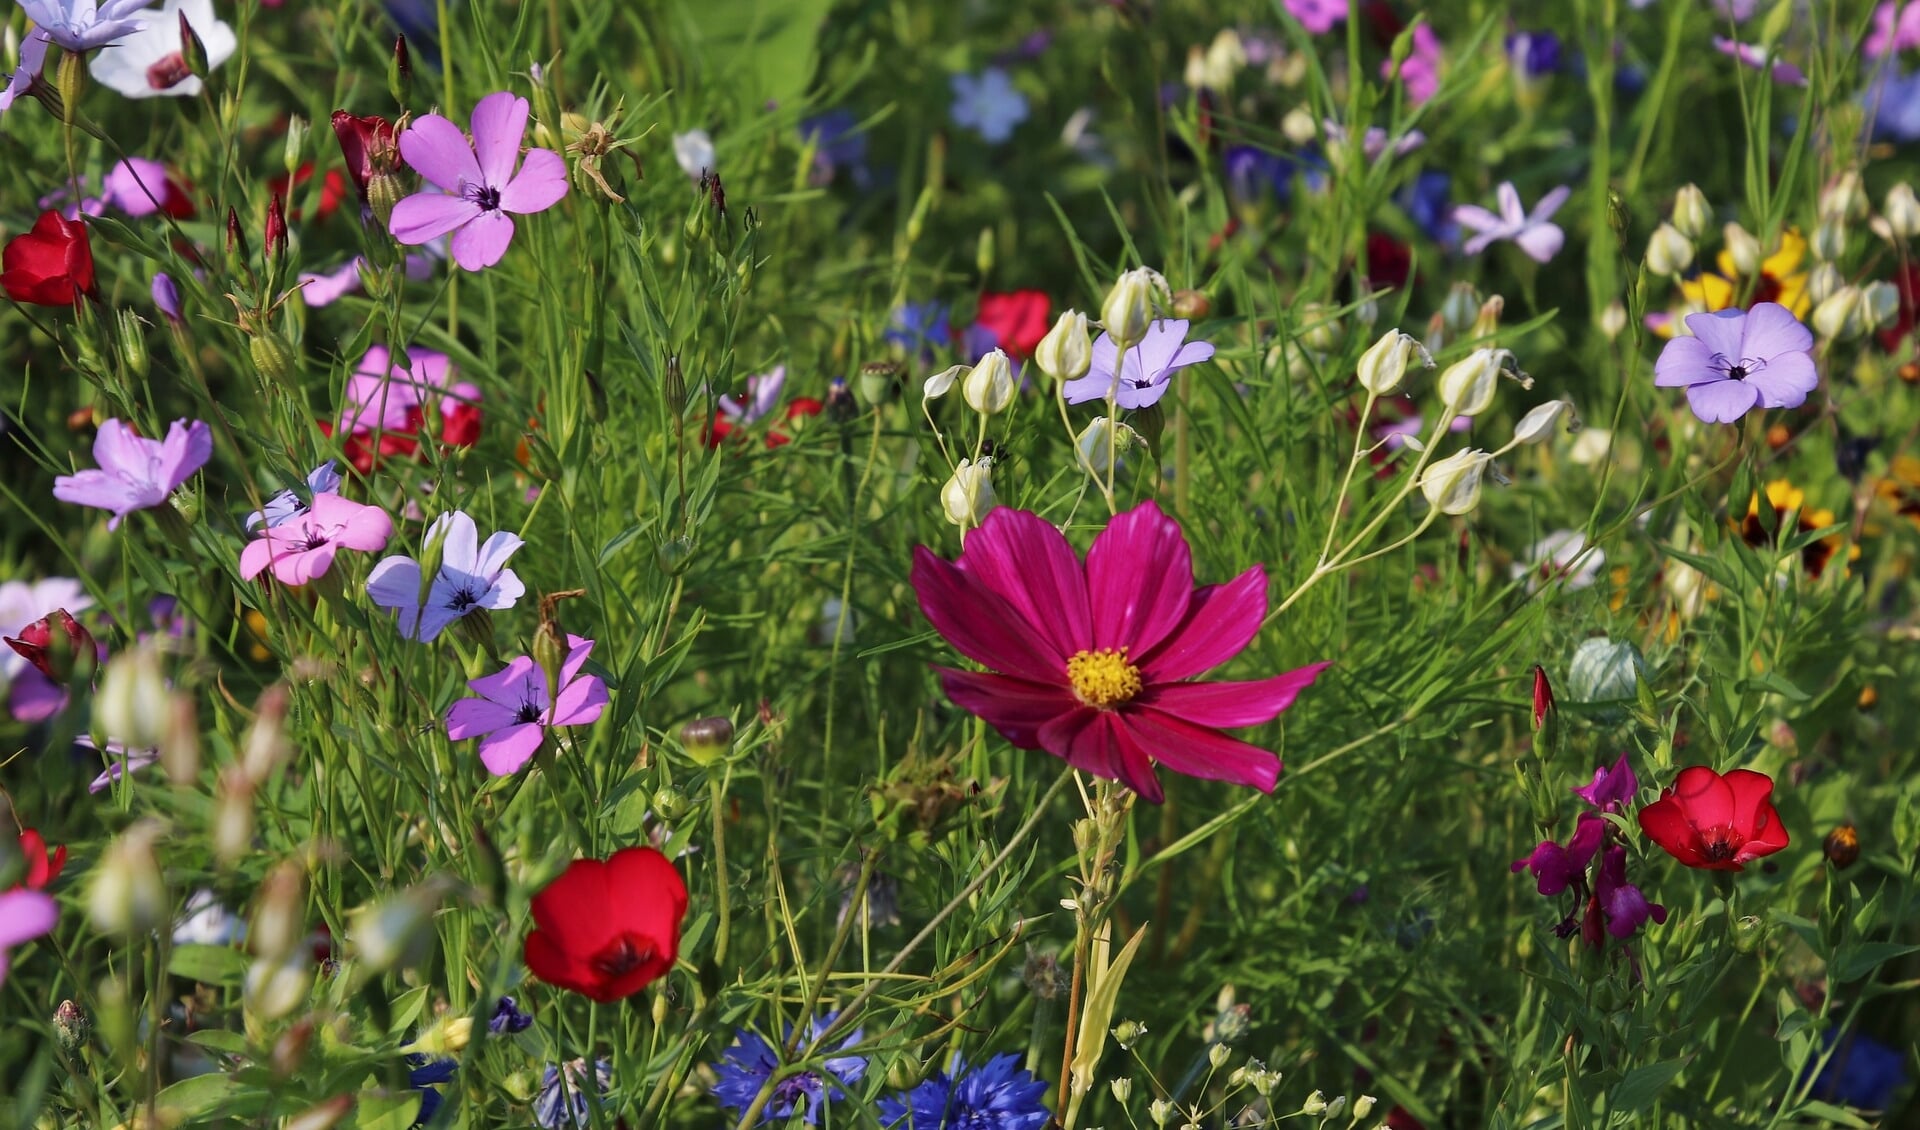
[
  {"x": 1221, "y": 620},
  {"x": 1027, "y": 561},
  {"x": 1198, "y": 751},
  {"x": 1016, "y": 708},
  {"x": 1228, "y": 705},
  {"x": 1089, "y": 740},
  {"x": 1722, "y": 402},
  {"x": 1139, "y": 579},
  {"x": 978, "y": 622}
]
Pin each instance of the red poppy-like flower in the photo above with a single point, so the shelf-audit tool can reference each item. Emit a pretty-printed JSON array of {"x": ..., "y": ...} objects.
[
  {"x": 608, "y": 929},
  {"x": 54, "y": 656},
  {"x": 52, "y": 265},
  {"x": 1018, "y": 319},
  {"x": 1714, "y": 822},
  {"x": 43, "y": 867},
  {"x": 799, "y": 408},
  {"x": 1096, "y": 655},
  {"x": 369, "y": 145}
]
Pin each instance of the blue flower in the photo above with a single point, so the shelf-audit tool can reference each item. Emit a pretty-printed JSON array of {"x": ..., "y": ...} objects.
[
  {"x": 1255, "y": 175},
  {"x": 562, "y": 1101},
  {"x": 987, "y": 104},
  {"x": 1863, "y": 1072},
  {"x": 286, "y": 506},
  {"x": 751, "y": 1061},
  {"x": 920, "y": 327},
  {"x": 838, "y": 146},
  {"x": 1001, "y": 1095},
  {"x": 427, "y": 1074},
  {"x": 1426, "y": 202},
  {"x": 1894, "y": 102},
  {"x": 1534, "y": 53},
  {"x": 507, "y": 1018}
]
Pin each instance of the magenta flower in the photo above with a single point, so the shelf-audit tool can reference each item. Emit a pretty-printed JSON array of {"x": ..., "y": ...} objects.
[
  {"x": 1736, "y": 360},
  {"x": 1533, "y": 231},
  {"x": 136, "y": 473},
  {"x": 1756, "y": 57},
  {"x": 303, "y": 547},
  {"x": 1555, "y": 867},
  {"x": 1318, "y": 16},
  {"x": 1896, "y": 28},
  {"x": 1612, "y": 787},
  {"x": 1097, "y": 656},
  {"x": 513, "y": 711},
  {"x": 137, "y": 187},
  {"x": 477, "y": 181},
  {"x": 383, "y": 396},
  {"x": 1420, "y": 73},
  {"x": 1148, "y": 371},
  {"x": 24, "y": 916},
  {"x": 32, "y": 696}
]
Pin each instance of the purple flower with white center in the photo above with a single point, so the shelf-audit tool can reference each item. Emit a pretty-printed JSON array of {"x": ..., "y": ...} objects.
[
  {"x": 479, "y": 186},
  {"x": 166, "y": 296},
  {"x": 33, "y": 58},
  {"x": 513, "y": 711},
  {"x": 763, "y": 396},
  {"x": 507, "y": 1018},
  {"x": 988, "y": 104},
  {"x": 746, "y": 1066},
  {"x": 1612, "y": 787},
  {"x": 1148, "y": 370},
  {"x": 1757, "y": 57},
  {"x": 1734, "y": 361},
  {"x": 562, "y": 1101},
  {"x": 1539, "y": 238},
  {"x": 1318, "y": 16},
  {"x": 82, "y": 25},
  {"x": 135, "y": 473},
  {"x": 287, "y": 505},
  {"x": 136, "y": 186},
  {"x": 471, "y": 576},
  {"x": 997, "y": 1095},
  {"x": 31, "y": 696},
  {"x": 24, "y": 916}
]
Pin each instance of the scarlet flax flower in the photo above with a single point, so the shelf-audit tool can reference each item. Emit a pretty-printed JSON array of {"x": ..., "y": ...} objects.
[
  {"x": 1715, "y": 822},
  {"x": 52, "y": 265},
  {"x": 1091, "y": 661},
  {"x": 43, "y": 866},
  {"x": 607, "y": 929}
]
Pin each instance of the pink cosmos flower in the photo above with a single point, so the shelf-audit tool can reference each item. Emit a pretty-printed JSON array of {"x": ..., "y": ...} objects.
[
  {"x": 513, "y": 711},
  {"x": 1421, "y": 70},
  {"x": 136, "y": 473},
  {"x": 1533, "y": 231},
  {"x": 1896, "y": 27},
  {"x": 302, "y": 549},
  {"x": 1756, "y": 57},
  {"x": 477, "y": 181},
  {"x": 1096, "y": 656},
  {"x": 24, "y": 916}
]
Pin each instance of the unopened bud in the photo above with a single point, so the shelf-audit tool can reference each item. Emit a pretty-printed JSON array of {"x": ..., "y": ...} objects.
[
  {"x": 1218, "y": 1054},
  {"x": 193, "y": 52},
  {"x": 1842, "y": 846},
  {"x": 276, "y": 230},
  {"x": 237, "y": 248},
  {"x": 1101, "y": 444},
  {"x": 1319, "y": 328},
  {"x": 674, "y": 386},
  {"x": 132, "y": 702},
  {"x": 1363, "y": 1106},
  {"x": 1691, "y": 215},
  {"x": 400, "y": 72},
  {"x": 1841, "y": 316},
  {"x": 1452, "y": 485},
  {"x": 1122, "y": 1089},
  {"x": 1486, "y": 323},
  {"x": 267, "y": 746},
  {"x": 1843, "y": 198},
  {"x": 1743, "y": 249},
  {"x": 1822, "y": 281},
  {"x": 983, "y": 253},
  {"x": 128, "y": 895},
  {"x": 384, "y": 191},
  {"x": 394, "y": 931},
  {"x": 1902, "y": 211},
  {"x": 1384, "y": 365},
  {"x": 1669, "y": 252},
  {"x": 1066, "y": 353},
  {"x": 279, "y": 913},
  {"x": 1466, "y": 387},
  {"x": 325, "y": 1116},
  {"x": 706, "y": 740},
  {"x": 1537, "y": 425},
  {"x": 1161, "y": 1111},
  {"x": 290, "y": 1050},
  {"x": 1316, "y": 1104},
  {"x": 233, "y": 818},
  {"x": 670, "y": 804},
  {"x": 1461, "y": 307},
  {"x": 1129, "y": 308},
  {"x": 1191, "y": 304},
  {"x": 968, "y": 495},
  {"x": 1880, "y": 301},
  {"x": 274, "y": 988},
  {"x": 1127, "y": 1032},
  {"x": 71, "y": 1026},
  {"x": 448, "y": 1035},
  {"x": 132, "y": 340},
  {"x": 1613, "y": 319},
  {"x": 1335, "y": 1106},
  {"x": 988, "y": 387},
  {"x": 1829, "y": 240}
]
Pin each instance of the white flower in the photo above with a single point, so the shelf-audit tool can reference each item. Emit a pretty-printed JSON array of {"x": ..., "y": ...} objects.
[
  {"x": 1563, "y": 554},
  {"x": 989, "y": 386},
  {"x": 207, "y": 923},
  {"x": 693, "y": 152},
  {"x": 151, "y": 62},
  {"x": 1452, "y": 485}
]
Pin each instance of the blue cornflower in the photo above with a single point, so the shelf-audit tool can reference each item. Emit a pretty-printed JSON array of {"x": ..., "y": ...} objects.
[
  {"x": 920, "y": 327},
  {"x": 1534, "y": 53},
  {"x": 1894, "y": 101},
  {"x": 1863, "y": 1072},
  {"x": 287, "y": 505},
  {"x": 425, "y": 1076},
  {"x": 1000, "y": 1095},
  {"x": 747, "y": 1065},
  {"x": 562, "y": 1101},
  {"x": 838, "y": 145},
  {"x": 1426, "y": 201},
  {"x": 1254, "y": 175},
  {"x": 507, "y": 1018},
  {"x": 987, "y": 104}
]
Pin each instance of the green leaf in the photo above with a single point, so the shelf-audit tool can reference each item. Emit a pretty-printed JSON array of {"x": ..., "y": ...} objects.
[
  {"x": 1713, "y": 568},
  {"x": 210, "y": 965},
  {"x": 194, "y": 1098},
  {"x": 764, "y": 48},
  {"x": 1827, "y": 1112},
  {"x": 1855, "y": 962},
  {"x": 374, "y": 1110},
  {"x": 1636, "y": 1092},
  {"x": 221, "y": 1040}
]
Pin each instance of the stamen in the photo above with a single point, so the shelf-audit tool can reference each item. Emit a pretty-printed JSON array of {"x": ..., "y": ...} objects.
[{"x": 1103, "y": 679}]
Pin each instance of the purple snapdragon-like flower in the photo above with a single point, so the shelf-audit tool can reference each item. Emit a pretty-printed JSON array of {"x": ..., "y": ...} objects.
[
  {"x": 471, "y": 576},
  {"x": 1554, "y": 866},
  {"x": 1604, "y": 902},
  {"x": 135, "y": 473},
  {"x": 287, "y": 505},
  {"x": 1532, "y": 231},
  {"x": 1612, "y": 787},
  {"x": 478, "y": 183},
  {"x": 1734, "y": 361},
  {"x": 746, "y": 1066},
  {"x": 512, "y": 712},
  {"x": 166, "y": 296},
  {"x": 1148, "y": 370},
  {"x": 507, "y": 1018}
]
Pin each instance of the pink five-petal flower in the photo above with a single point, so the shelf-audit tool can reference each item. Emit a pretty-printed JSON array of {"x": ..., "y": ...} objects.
[
  {"x": 1896, "y": 27},
  {"x": 136, "y": 473},
  {"x": 302, "y": 549},
  {"x": 1539, "y": 238},
  {"x": 381, "y": 394},
  {"x": 24, "y": 916},
  {"x": 1090, "y": 660},
  {"x": 513, "y": 712},
  {"x": 477, "y": 182}
]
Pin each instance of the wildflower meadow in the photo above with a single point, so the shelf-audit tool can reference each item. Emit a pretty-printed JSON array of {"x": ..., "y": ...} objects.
[{"x": 973, "y": 565}]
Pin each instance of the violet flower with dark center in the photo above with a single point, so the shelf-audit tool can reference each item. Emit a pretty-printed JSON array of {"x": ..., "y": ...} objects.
[
  {"x": 511, "y": 714},
  {"x": 136, "y": 473},
  {"x": 286, "y": 505},
  {"x": 477, "y": 180},
  {"x": 1734, "y": 361},
  {"x": 471, "y": 575}
]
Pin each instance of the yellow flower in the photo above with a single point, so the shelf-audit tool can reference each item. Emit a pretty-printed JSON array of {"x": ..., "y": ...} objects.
[
  {"x": 1781, "y": 280},
  {"x": 1789, "y": 503}
]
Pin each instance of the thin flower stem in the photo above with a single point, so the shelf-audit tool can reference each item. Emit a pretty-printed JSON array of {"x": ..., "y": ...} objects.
[
  {"x": 1346, "y": 480},
  {"x": 840, "y": 935},
  {"x": 717, "y": 790}
]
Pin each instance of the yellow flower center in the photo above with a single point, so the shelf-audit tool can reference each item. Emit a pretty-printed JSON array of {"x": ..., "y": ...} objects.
[{"x": 1103, "y": 678}]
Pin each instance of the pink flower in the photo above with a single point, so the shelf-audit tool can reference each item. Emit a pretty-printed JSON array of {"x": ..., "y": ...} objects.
[
  {"x": 1896, "y": 27},
  {"x": 477, "y": 181},
  {"x": 1096, "y": 656},
  {"x": 513, "y": 711},
  {"x": 382, "y": 395},
  {"x": 1421, "y": 70},
  {"x": 1533, "y": 231},
  {"x": 1318, "y": 16},
  {"x": 136, "y": 473},
  {"x": 1752, "y": 56},
  {"x": 24, "y": 916},
  {"x": 302, "y": 549}
]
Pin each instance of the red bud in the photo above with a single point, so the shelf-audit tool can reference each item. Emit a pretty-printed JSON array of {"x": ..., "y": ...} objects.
[
  {"x": 1542, "y": 696},
  {"x": 276, "y": 228}
]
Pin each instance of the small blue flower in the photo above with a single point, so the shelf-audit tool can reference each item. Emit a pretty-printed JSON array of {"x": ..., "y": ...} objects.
[
  {"x": 838, "y": 146},
  {"x": 425, "y": 1075},
  {"x": 286, "y": 506},
  {"x": 751, "y": 1061},
  {"x": 987, "y": 104},
  {"x": 507, "y": 1018},
  {"x": 1863, "y": 1072},
  {"x": 920, "y": 327},
  {"x": 1255, "y": 175},
  {"x": 1426, "y": 201},
  {"x": 1000, "y": 1095},
  {"x": 562, "y": 1101},
  {"x": 1534, "y": 53},
  {"x": 1894, "y": 102}
]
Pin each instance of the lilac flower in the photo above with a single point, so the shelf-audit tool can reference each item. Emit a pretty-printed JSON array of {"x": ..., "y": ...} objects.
[
  {"x": 285, "y": 506},
  {"x": 478, "y": 182},
  {"x": 507, "y": 1018},
  {"x": 999, "y": 1094},
  {"x": 513, "y": 712},
  {"x": 32, "y": 696},
  {"x": 24, "y": 916},
  {"x": 324, "y": 288},
  {"x": 1612, "y": 787},
  {"x": 82, "y": 25},
  {"x": 136, "y": 186},
  {"x": 471, "y": 576},
  {"x": 33, "y": 57},
  {"x": 1539, "y": 238},
  {"x": 1318, "y": 16},
  {"x": 987, "y": 104},
  {"x": 166, "y": 296},
  {"x": 135, "y": 473},
  {"x": 763, "y": 396},
  {"x": 120, "y": 761},
  {"x": 1896, "y": 28},
  {"x": 1737, "y": 360},
  {"x": 1756, "y": 57},
  {"x": 1148, "y": 370},
  {"x": 693, "y": 152},
  {"x": 1420, "y": 73},
  {"x": 1740, "y": 11},
  {"x": 1893, "y": 101},
  {"x": 1374, "y": 143},
  {"x": 302, "y": 548},
  {"x": 746, "y": 1066},
  {"x": 562, "y": 1101}
]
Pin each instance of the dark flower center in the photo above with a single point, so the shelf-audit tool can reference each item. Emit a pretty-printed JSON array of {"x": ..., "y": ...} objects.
[
  {"x": 621, "y": 957},
  {"x": 315, "y": 540},
  {"x": 1720, "y": 844},
  {"x": 463, "y": 599},
  {"x": 528, "y": 712},
  {"x": 1738, "y": 370},
  {"x": 169, "y": 72},
  {"x": 485, "y": 195},
  {"x": 789, "y": 1091}
]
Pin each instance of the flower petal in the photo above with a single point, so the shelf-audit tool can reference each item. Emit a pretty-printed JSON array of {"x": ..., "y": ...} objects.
[
  {"x": 499, "y": 122},
  {"x": 1221, "y": 620},
  {"x": 1723, "y": 402},
  {"x": 459, "y": 542},
  {"x": 1197, "y": 751},
  {"x": 1665, "y": 823},
  {"x": 1721, "y": 331},
  {"x": 513, "y": 686},
  {"x": 1771, "y": 330},
  {"x": 1090, "y": 740},
  {"x": 541, "y": 183},
  {"x": 1541, "y": 242},
  {"x": 1786, "y": 380},
  {"x": 1706, "y": 797},
  {"x": 1139, "y": 579},
  {"x": 506, "y": 752},
  {"x": 1229, "y": 705},
  {"x": 426, "y": 216},
  {"x": 1027, "y": 561},
  {"x": 1686, "y": 361},
  {"x": 436, "y": 149},
  {"x": 978, "y": 622},
  {"x": 1751, "y": 801},
  {"x": 26, "y": 915},
  {"x": 483, "y": 241},
  {"x": 580, "y": 702},
  {"x": 1015, "y": 708},
  {"x": 1547, "y": 205}
]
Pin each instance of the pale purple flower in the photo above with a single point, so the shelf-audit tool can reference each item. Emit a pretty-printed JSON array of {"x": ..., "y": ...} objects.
[
  {"x": 24, "y": 916},
  {"x": 324, "y": 288},
  {"x": 988, "y": 104},
  {"x": 693, "y": 152},
  {"x": 120, "y": 761},
  {"x": 471, "y": 576},
  {"x": 1148, "y": 370},
  {"x": 136, "y": 473},
  {"x": 302, "y": 549},
  {"x": 136, "y": 186},
  {"x": 478, "y": 182},
  {"x": 763, "y": 396},
  {"x": 1896, "y": 28},
  {"x": 287, "y": 505},
  {"x": 513, "y": 711},
  {"x": 1613, "y": 786},
  {"x": 1538, "y": 237},
  {"x": 33, "y": 57},
  {"x": 1734, "y": 361},
  {"x": 166, "y": 296},
  {"x": 1318, "y": 16},
  {"x": 31, "y": 696},
  {"x": 1756, "y": 57},
  {"x": 83, "y": 25},
  {"x": 1420, "y": 73},
  {"x": 1374, "y": 143},
  {"x": 1740, "y": 11}
]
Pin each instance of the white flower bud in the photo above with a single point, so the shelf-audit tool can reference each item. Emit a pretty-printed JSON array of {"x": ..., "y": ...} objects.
[
  {"x": 274, "y": 988},
  {"x": 1593, "y": 445},
  {"x": 1843, "y": 198},
  {"x": 1881, "y": 302},
  {"x": 968, "y": 495},
  {"x": 1122, "y": 1089},
  {"x": 1613, "y": 319},
  {"x": 394, "y": 931},
  {"x": 1160, "y": 1110},
  {"x": 1128, "y": 310},
  {"x": 1461, "y": 308},
  {"x": 1537, "y": 424},
  {"x": 1384, "y": 365},
  {"x": 1101, "y": 443},
  {"x": 1363, "y": 1105},
  {"x": 132, "y": 704},
  {"x": 1829, "y": 239},
  {"x": 1316, "y": 1104},
  {"x": 1466, "y": 388},
  {"x": 279, "y": 912},
  {"x": 128, "y": 895},
  {"x": 1335, "y": 1106},
  {"x": 989, "y": 387},
  {"x": 266, "y": 746},
  {"x": 1668, "y": 251},
  {"x": 1218, "y": 1054},
  {"x": 1319, "y": 329},
  {"x": 1841, "y": 316},
  {"x": 1452, "y": 485},
  {"x": 1299, "y": 125},
  {"x": 1902, "y": 211},
  {"x": 941, "y": 382},
  {"x": 1691, "y": 214},
  {"x": 1066, "y": 353},
  {"x": 1743, "y": 249},
  {"x": 233, "y": 817},
  {"x": 1822, "y": 281}
]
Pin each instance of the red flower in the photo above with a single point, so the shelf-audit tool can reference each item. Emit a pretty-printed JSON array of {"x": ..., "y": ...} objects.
[
  {"x": 368, "y": 145},
  {"x": 1542, "y": 695},
  {"x": 608, "y": 929},
  {"x": 52, "y": 265},
  {"x": 1097, "y": 655},
  {"x": 1713, "y": 822},
  {"x": 1389, "y": 262},
  {"x": 1018, "y": 320},
  {"x": 54, "y": 656},
  {"x": 1907, "y": 284},
  {"x": 800, "y": 408},
  {"x": 43, "y": 867},
  {"x": 333, "y": 189}
]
